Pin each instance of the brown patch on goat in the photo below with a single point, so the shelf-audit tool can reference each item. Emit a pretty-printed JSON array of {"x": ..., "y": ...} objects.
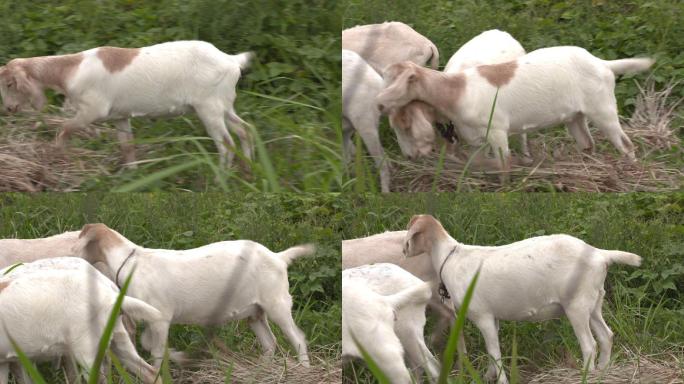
[
  {"x": 4, "y": 285},
  {"x": 423, "y": 232},
  {"x": 449, "y": 93},
  {"x": 403, "y": 117},
  {"x": 98, "y": 238},
  {"x": 116, "y": 59},
  {"x": 50, "y": 71},
  {"x": 498, "y": 75}
]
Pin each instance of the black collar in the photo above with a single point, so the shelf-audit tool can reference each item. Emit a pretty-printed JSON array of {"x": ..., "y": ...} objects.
[
  {"x": 116, "y": 280},
  {"x": 443, "y": 292}
]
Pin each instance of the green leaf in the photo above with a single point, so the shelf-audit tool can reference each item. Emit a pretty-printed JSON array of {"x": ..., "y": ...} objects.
[
  {"x": 372, "y": 365},
  {"x": 26, "y": 363},
  {"x": 10, "y": 269},
  {"x": 108, "y": 331},
  {"x": 450, "y": 350}
]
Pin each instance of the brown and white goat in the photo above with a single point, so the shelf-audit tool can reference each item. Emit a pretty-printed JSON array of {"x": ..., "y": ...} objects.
[
  {"x": 115, "y": 84},
  {"x": 544, "y": 88}
]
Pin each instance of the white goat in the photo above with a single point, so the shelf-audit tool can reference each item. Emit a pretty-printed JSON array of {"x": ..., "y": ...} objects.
[
  {"x": 115, "y": 84},
  {"x": 414, "y": 122},
  {"x": 382, "y": 45},
  {"x": 541, "y": 89},
  {"x": 60, "y": 307},
  {"x": 360, "y": 87},
  {"x": 535, "y": 279},
  {"x": 219, "y": 282},
  {"x": 383, "y": 308},
  {"x": 13, "y": 251},
  {"x": 387, "y": 248}
]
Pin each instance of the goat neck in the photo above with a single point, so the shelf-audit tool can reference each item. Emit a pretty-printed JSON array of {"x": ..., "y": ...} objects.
[
  {"x": 441, "y": 249},
  {"x": 442, "y": 91}
]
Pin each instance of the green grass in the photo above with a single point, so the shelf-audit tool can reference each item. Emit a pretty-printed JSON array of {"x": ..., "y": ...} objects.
[
  {"x": 182, "y": 221},
  {"x": 643, "y": 306}
]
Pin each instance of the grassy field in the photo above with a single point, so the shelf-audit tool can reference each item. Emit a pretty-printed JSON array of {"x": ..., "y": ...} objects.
[
  {"x": 181, "y": 221},
  {"x": 643, "y": 306},
  {"x": 652, "y": 117},
  {"x": 290, "y": 94}
]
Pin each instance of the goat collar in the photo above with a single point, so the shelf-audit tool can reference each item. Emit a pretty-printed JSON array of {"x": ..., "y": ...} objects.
[
  {"x": 116, "y": 280},
  {"x": 443, "y": 292}
]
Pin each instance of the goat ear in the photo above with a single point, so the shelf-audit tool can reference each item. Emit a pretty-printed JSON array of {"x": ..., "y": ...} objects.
[
  {"x": 24, "y": 84},
  {"x": 30, "y": 87},
  {"x": 86, "y": 230},
  {"x": 416, "y": 239},
  {"x": 91, "y": 231},
  {"x": 413, "y": 220},
  {"x": 91, "y": 241},
  {"x": 401, "y": 119}
]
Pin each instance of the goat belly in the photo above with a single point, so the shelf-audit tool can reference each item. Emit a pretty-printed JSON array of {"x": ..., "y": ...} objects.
[{"x": 546, "y": 312}]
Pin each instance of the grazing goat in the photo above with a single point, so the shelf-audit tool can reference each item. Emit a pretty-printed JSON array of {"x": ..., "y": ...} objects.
[
  {"x": 383, "y": 309},
  {"x": 219, "y": 282},
  {"x": 541, "y": 89},
  {"x": 414, "y": 122},
  {"x": 382, "y": 45},
  {"x": 360, "y": 86},
  {"x": 387, "y": 248},
  {"x": 13, "y": 251},
  {"x": 60, "y": 306},
  {"x": 115, "y": 84},
  {"x": 535, "y": 279}
]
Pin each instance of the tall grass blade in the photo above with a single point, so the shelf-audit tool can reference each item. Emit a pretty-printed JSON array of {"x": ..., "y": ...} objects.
[
  {"x": 287, "y": 101},
  {"x": 166, "y": 368},
  {"x": 265, "y": 160},
  {"x": 120, "y": 370},
  {"x": 229, "y": 373},
  {"x": 481, "y": 147},
  {"x": 10, "y": 269},
  {"x": 515, "y": 372},
  {"x": 372, "y": 365},
  {"x": 471, "y": 370},
  {"x": 152, "y": 178},
  {"x": 359, "y": 166},
  {"x": 456, "y": 331},
  {"x": 439, "y": 167},
  {"x": 109, "y": 329},
  {"x": 26, "y": 363}
]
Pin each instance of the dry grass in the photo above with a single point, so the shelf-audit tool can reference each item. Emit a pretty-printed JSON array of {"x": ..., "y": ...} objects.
[
  {"x": 30, "y": 161},
  {"x": 653, "y": 117},
  {"x": 558, "y": 165},
  {"x": 665, "y": 368},
  {"x": 250, "y": 369}
]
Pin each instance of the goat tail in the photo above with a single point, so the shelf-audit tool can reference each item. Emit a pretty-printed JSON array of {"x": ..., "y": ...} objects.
[
  {"x": 434, "y": 59},
  {"x": 629, "y": 65},
  {"x": 419, "y": 294},
  {"x": 621, "y": 257},
  {"x": 290, "y": 254},
  {"x": 244, "y": 59},
  {"x": 140, "y": 310}
]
